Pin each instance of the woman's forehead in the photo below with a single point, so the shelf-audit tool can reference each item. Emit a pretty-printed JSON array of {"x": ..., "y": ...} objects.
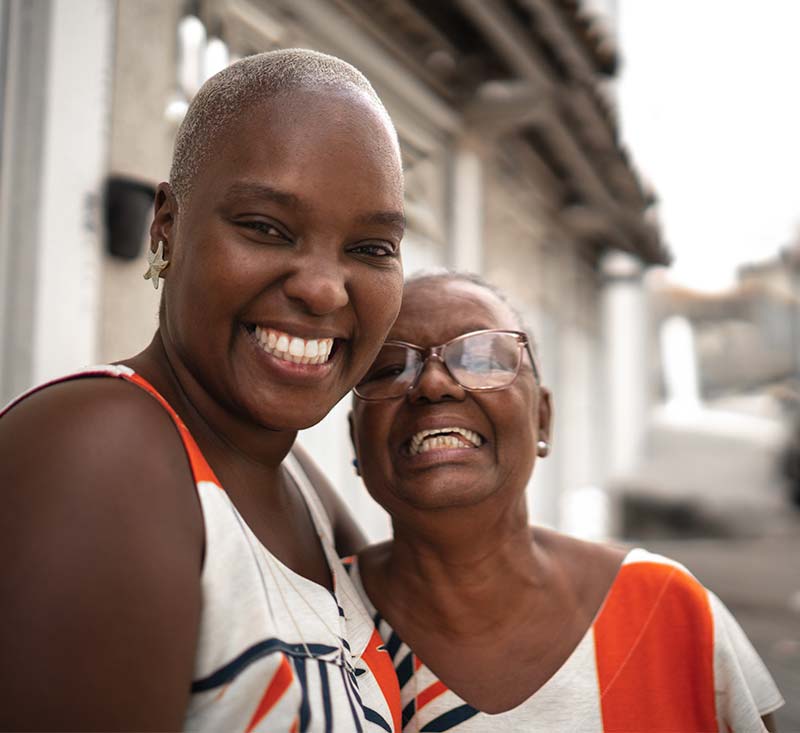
[{"x": 444, "y": 308}]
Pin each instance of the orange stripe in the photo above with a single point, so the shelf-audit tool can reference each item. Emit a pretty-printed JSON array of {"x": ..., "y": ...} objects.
[
  {"x": 277, "y": 686},
  {"x": 200, "y": 468},
  {"x": 654, "y": 648},
  {"x": 380, "y": 664},
  {"x": 430, "y": 693}
]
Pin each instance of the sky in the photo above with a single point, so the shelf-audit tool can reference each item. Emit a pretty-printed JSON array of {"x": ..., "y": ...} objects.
[{"x": 709, "y": 99}]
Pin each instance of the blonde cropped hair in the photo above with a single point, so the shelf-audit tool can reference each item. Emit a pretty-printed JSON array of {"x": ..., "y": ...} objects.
[{"x": 247, "y": 83}]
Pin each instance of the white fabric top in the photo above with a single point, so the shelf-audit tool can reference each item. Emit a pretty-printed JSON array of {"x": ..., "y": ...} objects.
[
  {"x": 276, "y": 652},
  {"x": 663, "y": 654}
]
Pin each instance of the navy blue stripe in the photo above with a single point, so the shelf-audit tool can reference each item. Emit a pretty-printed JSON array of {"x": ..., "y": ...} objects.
[
  {"x": 408, "y": 711},
  {"x": 227, "y": 672},
  {"x": 393, "y": 644},
  {"x": 405, "y": 669},
  {"x": 450, "y": 719},
  {"x": 326, "y": 696},
  {"x": 305, "y": 709},
  {"x": 354, "y": 689},
  {"x": 374, "y": 717},
  {"x": 356, "y": 721},
  {"x": 345, "y": 644}
]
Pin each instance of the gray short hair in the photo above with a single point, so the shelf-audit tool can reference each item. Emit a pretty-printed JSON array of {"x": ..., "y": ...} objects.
[
  {"x": 247, "y": 83},
  {"x": 446, "y": 275}
]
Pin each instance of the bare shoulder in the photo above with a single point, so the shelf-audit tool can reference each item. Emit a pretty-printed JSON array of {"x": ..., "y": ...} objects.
[
  {"x": 591, "y": 567},
  {"x": 103, "y": 524},
  {"x": 578, "y": 550},
  {"x": 92, "y": 434}
]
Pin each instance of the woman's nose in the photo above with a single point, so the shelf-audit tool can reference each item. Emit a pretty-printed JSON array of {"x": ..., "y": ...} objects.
[
  {"x": 319, "y": 284},
  {"x": 435, "y": 384}
]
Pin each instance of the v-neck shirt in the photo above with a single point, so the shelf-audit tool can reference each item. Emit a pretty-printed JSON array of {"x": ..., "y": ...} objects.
[{"x": 662, "y": 654}]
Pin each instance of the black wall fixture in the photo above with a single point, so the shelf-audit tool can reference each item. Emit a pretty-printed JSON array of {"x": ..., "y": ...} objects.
[{"x": 128, "y": 209}]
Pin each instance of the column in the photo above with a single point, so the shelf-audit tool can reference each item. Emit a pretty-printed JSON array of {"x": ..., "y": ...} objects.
[
  {"x": 466, "y": 243},
  {"x": 626, "y": 370}
]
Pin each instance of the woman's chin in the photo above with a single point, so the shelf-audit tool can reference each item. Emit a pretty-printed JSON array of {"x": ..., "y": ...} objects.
[{"x": 452, "y": 492}]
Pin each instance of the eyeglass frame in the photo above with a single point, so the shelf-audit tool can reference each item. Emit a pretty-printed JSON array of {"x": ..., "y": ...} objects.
[{"x": 436, "y": 352}]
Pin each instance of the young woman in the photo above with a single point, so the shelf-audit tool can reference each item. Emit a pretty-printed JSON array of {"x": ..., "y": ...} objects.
[
  {"x": 168, "y": 564},
  {"x": 496, "y": 625}
]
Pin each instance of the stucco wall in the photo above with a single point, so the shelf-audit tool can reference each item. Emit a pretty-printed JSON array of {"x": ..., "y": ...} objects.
[{"x": 141, "y": 148}]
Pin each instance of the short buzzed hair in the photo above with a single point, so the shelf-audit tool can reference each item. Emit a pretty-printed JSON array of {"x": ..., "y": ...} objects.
[{"x": 247, "y": 83}]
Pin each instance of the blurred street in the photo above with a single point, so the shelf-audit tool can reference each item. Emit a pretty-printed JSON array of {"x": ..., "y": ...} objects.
[{"x": 759, "y": 581}]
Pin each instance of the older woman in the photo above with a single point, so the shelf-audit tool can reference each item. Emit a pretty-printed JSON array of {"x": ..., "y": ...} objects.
[
  {"x": 492, "y": 624},
  {"x": 167, "y": 563}
]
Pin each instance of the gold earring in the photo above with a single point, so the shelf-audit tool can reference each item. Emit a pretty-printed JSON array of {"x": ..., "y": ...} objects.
[
  {"x": 156, "y": 264},
  {"x": 542, "y": 449}
]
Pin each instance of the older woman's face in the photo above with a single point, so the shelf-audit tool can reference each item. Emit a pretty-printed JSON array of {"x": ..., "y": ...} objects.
[
  {"x": 288, "y": 249},
  {"x": 509, "y": 421}
]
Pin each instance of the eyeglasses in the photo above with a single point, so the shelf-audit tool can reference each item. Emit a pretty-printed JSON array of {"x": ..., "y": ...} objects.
[{"x": 480, "y": 361}]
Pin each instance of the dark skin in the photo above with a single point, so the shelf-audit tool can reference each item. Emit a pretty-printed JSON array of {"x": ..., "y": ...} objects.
[
  {"x": 465, "y": 570},
  {"x": 102, "y": 601}
]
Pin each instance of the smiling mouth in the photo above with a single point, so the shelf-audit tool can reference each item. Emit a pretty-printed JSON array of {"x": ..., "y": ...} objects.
[
  {"x": 295, "y": 349},
  {"x": 447, "y": 438}
]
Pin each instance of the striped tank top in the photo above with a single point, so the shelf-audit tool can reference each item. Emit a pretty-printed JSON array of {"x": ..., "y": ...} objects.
[
  {"x": 663, "y": 654},
  {"x": 276, "y": 652}
]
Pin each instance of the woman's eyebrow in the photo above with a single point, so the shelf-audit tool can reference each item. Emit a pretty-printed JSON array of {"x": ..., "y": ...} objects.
[
  {"x": 243, "y": 189},
  {"x": 387, "y": 218},
  {"x": 262, "y": 191}
]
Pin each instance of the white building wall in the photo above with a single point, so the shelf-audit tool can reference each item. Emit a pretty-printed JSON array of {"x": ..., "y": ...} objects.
[
  {"x": 56, "y": 170},
  {"x": 145, "y": 80},
  {"x": 67, "y": 306}
]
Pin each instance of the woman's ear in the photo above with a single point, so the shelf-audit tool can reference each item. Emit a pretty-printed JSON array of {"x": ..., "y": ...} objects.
[
  {"x": 545, "y": 415},
  {"x": 356, "y": 464},
  {"x": 165, "y": 210}
]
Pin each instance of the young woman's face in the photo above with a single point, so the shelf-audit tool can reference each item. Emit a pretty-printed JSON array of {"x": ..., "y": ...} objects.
[
  {"x": 285, "y": 271},
  {"x": 388, "y": 434}
]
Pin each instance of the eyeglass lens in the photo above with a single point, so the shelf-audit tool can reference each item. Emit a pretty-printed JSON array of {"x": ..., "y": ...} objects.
[{"x": 481, "y": 361}]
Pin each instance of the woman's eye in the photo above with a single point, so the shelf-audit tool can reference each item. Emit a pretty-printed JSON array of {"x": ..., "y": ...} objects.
[
  {"x": 265, "y": 228},
  {"x": 386, "y": 371},
  {"x": 375, "y": 249}
]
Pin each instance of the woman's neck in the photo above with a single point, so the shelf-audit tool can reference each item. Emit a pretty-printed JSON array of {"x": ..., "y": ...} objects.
[
  {"x": 217, "y": 430},
  {"x": 474, "y": 569}
]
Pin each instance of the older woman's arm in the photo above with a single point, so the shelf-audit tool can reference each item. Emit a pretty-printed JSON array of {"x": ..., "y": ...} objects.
[{"x": 101, "y": 540}]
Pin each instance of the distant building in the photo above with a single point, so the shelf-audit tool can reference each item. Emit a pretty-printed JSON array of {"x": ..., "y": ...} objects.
[
  {"x": 513, "y": 163},
  {"x": 719, "y": 447}
]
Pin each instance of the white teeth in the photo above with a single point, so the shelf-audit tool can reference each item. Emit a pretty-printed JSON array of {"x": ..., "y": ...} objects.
[
  {"x": 450, "y": 437},
  {"x": 293, "y": 348}
]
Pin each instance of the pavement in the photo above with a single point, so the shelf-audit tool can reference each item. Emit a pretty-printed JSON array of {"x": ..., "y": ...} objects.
[{"x": 758, "y": 578}]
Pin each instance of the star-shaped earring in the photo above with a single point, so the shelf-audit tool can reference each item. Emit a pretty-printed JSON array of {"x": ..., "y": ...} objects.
[{"x": 157, "y": 264}]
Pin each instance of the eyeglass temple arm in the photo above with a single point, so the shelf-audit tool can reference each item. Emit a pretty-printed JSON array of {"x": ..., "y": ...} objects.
[{"x": 534, "y": 361}]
